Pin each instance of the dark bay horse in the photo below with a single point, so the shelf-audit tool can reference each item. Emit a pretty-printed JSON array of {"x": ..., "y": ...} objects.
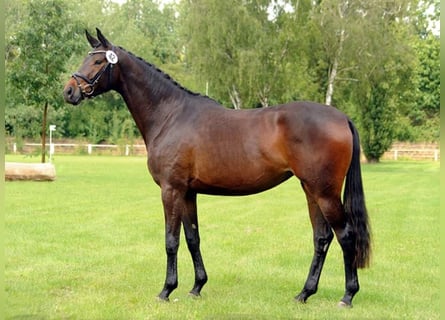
[{"x": 196, "y": 146}]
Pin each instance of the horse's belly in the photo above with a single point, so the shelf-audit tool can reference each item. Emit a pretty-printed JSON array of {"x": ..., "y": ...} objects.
[{"x": 237, "y": 183}]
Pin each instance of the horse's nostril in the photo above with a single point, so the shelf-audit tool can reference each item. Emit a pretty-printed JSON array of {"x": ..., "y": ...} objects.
[{"x": 69, "y": 91}]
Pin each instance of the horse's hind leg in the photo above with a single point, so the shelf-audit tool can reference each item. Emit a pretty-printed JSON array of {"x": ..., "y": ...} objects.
[
  {"x": 333, "y": 211},
  {"x": 191, "y": 230},
  {"x": 322, "y": 236}
]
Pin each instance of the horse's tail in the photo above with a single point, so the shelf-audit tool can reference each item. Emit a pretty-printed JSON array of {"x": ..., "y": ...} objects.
[{"x": 354, "y": 204}]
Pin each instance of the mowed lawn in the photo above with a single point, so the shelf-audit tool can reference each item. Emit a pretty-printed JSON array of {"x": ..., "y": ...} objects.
[{"x": 90, "y": 245}]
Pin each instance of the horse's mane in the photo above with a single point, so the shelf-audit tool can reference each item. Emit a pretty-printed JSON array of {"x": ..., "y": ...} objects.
[{"x": 166, "y": 76}]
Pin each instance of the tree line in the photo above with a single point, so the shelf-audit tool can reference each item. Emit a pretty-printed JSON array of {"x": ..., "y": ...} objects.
[{"x": 376, "y": 60}]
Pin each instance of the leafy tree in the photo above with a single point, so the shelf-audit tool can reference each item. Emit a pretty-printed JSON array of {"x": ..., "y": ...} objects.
[
  {"x": 238, "y": 49},
  {"x": 429, "y": 71},
  {"x": 43, "y": 43},
  {"x": 333, "y": 22},
  {"x": 426, "y": 115},
  {"x": 366, "y": 51},
  {"x": 379, "y": 122},
  {"x": 149, "y": 31},
  {"x": 281, "y": 71},
  {"x": 220, "y": 37}
]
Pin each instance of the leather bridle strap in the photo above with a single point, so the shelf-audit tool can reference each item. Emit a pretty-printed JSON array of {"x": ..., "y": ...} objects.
[{"x": 88, "y": 89}]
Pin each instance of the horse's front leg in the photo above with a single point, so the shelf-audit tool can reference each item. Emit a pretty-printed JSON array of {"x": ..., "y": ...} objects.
[
  {"x": 191, "y": 230},
  {"x": 174, "y": 206}
]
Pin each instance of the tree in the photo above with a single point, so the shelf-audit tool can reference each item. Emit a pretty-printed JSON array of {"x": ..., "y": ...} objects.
[
  {"x": 281, "y": 71},
  {"x": 386, "y": 75},
  {"x": 239, "y": 50},
  {"x": 424, "y": 116},
  {"x": 426, "y": 113},
  {"x": 219, "y": 59},
  {"x": 43, "y": 43},
  {"x": 366, "y": 52},
  {"x": 334, "y": 21},
  {"x": 379, "y": 123}
]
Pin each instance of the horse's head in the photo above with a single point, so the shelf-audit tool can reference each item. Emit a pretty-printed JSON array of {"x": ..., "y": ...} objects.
[{"x": 97, "y": 73}]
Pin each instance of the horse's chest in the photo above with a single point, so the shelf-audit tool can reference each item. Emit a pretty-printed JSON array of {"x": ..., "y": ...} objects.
[{"x": 169, "y": 167}]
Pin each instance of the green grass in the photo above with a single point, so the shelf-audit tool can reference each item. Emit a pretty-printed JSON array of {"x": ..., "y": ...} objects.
[{"x": 91, "y": 246}]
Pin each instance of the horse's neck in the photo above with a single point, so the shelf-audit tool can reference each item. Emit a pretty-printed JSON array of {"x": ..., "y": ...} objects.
[{"x": 148, "y": 105}]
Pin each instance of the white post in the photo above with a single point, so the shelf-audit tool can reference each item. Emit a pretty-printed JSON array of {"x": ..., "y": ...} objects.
[
  {"x": 14, "y": 147},
  {"x": 52, "y": 127},
  {"x": 90, "y": 148}
]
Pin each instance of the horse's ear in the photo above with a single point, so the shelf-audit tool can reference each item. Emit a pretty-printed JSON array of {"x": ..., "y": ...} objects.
[
  {"x": 93, "y": 41},
  {"x": 102, "y": 39}
]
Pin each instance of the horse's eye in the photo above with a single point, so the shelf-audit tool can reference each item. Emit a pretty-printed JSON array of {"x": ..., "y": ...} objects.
[{"x": 98, "y": 62}]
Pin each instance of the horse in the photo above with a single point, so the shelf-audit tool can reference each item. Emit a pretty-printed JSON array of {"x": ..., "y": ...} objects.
[{"x": 197, "y": 146}]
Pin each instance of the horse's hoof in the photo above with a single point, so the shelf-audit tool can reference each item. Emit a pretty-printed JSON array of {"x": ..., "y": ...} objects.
[
  {"x": 300, "y": 299},
  {"x": 343, "y": 304},
  {"x": 160, "y": 299},
  {"x": 194, "y": 295}
]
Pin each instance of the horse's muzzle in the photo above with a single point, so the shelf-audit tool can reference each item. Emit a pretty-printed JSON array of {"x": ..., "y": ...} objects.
[{"x": 72, "y": 93}]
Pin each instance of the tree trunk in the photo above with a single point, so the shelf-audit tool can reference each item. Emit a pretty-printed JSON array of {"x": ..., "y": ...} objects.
[
  {"x": 333, "y": 73},
  {"x": 45, "y": 115},
  {"x": 235, "y": 98},
  {"x": 263, "y": 95}
]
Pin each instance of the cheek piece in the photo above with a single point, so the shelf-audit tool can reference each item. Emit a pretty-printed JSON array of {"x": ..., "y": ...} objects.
[{"x": 87, "y": 90}]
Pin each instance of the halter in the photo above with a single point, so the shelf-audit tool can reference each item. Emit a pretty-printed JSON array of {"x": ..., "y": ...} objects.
[{"x": 88, "y": 89}]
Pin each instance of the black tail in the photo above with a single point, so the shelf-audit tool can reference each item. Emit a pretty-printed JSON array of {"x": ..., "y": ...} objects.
[{"x": 354, "y": 204}]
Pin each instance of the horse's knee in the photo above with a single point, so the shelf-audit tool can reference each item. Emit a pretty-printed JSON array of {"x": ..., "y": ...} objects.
[
  {"x": 171, "y": 244},
  {"x": 193, "y": 241}
]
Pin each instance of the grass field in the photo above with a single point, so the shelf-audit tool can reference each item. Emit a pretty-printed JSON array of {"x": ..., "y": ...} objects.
[{"x": 91, "y": 246}]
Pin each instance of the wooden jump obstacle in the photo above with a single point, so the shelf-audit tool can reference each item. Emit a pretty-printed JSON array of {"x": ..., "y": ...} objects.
[{"x": 15, "y": 171}]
